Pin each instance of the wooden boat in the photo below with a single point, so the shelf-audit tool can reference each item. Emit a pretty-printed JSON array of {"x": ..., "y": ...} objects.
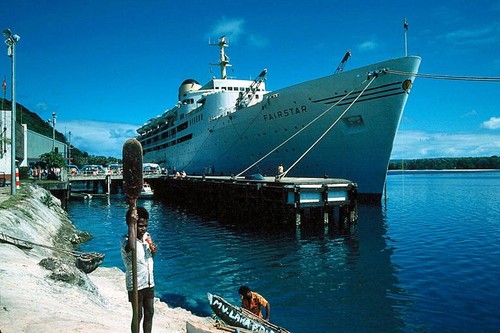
[
  {"x": 214, "y": 328},
  {"x": 88, "y": 262},
  {"x": 236, "y": 316},
  {"x": 78, "y": 196}
]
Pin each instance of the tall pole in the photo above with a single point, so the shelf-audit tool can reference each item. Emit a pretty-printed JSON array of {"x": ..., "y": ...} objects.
[
  {"x": 53, "y": 131},
  {"x": 405, "y": 25},
  {"x": 53, "y": 123},
  {"x": 69, "y": 148},
  {"x": 11, "y": 52}
]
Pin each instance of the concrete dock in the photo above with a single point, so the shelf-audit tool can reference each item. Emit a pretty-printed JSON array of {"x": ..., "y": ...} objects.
[
  {"x": 252, "y": 200},
  {"x": 263, "y": 200}
]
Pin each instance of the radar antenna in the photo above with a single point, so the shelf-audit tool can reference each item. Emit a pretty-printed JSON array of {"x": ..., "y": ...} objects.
[
  {"x": 224, "y": 59},
  {"x": 340, "y": 67}
]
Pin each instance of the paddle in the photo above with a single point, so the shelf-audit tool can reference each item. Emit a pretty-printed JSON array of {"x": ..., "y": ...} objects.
[{"x": 132, "y": 185}]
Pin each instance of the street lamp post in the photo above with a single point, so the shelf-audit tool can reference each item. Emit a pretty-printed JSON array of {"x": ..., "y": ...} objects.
[
  {"x": 53, "y": 122},
  {"x": 69, "y": 148},
  {"x": 11, "y": 41}
]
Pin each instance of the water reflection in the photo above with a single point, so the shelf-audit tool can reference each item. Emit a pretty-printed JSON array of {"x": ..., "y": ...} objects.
[{"x": 320, "y": 279}]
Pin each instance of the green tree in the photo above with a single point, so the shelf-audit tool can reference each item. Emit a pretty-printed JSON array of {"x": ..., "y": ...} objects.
[{"x": 53, "y": 159}]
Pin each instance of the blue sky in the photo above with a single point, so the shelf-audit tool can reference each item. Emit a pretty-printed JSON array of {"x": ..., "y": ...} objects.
[{"x": 106, "y": 67}]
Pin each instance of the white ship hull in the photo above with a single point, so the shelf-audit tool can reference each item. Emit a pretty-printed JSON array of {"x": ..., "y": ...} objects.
[{"x": 214, "y": 137}]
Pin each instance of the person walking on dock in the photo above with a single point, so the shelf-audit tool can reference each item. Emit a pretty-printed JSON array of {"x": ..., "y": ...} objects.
[
  {"x": 253, "y": 302},
  {"x": 145, "y": 279}
]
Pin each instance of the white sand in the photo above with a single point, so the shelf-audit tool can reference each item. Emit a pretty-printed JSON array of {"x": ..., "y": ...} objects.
[{"x": 31, "y": 302}]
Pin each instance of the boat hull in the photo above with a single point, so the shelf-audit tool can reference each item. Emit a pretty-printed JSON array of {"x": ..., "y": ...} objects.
[
  {"x": 235, "y": 316},
  {"x": 338, "y": 128}
]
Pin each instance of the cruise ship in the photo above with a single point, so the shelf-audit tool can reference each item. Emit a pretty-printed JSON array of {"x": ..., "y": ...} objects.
[{"x": 339, "y": 126}]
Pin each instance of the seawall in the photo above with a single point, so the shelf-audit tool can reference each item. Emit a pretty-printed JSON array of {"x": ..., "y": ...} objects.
[{"x": 41, "y": 290}]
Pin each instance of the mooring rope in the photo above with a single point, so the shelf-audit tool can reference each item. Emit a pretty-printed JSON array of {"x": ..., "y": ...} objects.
[
  {"x": 446, "y": 77},
  {"x": 302, "y": 129},
  {"x": 329, "y": 128},
  {"x": 72, "y": 252}
]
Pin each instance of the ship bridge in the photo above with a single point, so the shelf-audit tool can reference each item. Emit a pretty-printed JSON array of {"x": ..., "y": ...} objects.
[{"x": 233, "y": 85}]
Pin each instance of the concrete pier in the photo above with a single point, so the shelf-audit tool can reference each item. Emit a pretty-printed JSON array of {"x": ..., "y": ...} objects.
[
  {"x": 263, "y": 201},
  {"x": 254, "y": 200}
]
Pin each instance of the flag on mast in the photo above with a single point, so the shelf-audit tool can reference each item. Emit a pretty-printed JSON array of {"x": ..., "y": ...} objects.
[
  {"x": 4, "y": 85},
  {"x": 405, "y": 24}
]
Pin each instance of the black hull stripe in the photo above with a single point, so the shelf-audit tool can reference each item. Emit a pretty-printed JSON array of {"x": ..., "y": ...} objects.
[
  {"x": 372, "y": 98},
  {"x": 337, "y": 97}
]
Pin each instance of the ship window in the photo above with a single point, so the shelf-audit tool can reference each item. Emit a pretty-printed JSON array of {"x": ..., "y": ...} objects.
[
  {"x": 185, "y": 138},
  {"x": 182, "y": 126},
  {"x": 242, "y": 88},
  {"x": 230, "y": 88}
]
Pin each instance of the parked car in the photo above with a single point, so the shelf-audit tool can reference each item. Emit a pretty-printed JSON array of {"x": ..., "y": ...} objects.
[
  {"x": 93, "y": 170},
  {"x": 115, "y": 169},
  {"x": 73, "y": 169}
]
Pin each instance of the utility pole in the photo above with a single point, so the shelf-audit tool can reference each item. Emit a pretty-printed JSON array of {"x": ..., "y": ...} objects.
[
  {"x": 53, "y": 123},
  {"x": 69, "y": 148},
  {"x": 11, "y": 41}
]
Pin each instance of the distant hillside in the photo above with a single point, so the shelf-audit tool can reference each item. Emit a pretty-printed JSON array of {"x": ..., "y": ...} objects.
[
  {"x": 37, "y": 124},
  {"x": 34, "y": 122},
  {"x": 447, "y": 163}
]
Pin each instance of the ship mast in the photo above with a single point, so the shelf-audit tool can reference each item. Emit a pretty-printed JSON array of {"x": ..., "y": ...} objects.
[{"x": 224, "y": 59}]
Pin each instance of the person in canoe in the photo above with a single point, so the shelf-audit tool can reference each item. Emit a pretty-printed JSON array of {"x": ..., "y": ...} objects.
[
  {"x": 253, "y": 302},
  {"x": 145, "y": 252}
]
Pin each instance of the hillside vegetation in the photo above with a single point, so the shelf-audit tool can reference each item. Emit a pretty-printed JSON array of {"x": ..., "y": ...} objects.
[
  {"x": 464, "y": 163},
  {"x": 37, "y": 124}
]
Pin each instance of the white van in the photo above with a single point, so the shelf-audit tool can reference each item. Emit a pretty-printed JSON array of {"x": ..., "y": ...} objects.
[{"x": 151, "y": 168}]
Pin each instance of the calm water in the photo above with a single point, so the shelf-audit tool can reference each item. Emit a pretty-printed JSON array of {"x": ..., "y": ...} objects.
[{"x": 427, "y": 260}]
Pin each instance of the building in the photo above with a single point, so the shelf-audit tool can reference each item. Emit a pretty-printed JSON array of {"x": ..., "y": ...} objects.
[{"x": 30, "y": 145}]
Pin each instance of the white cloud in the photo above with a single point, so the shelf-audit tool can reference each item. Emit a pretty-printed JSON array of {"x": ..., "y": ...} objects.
[
  {"x": 419, "y": 144},
  {"x": 99, "y": 138},
  {"x": 493, "y": 123},
  {"x": 482, "y": 35},
  {"x": 234, "y": 30},
  {"x": 367, "y": 46},
  {"x": 258, "y": 41},
  {"x": 469, "y": 114},
  {"x": 42, "y": 106},
  {"x": 231, "y": 28},
  {"x": 468, "y": 33}
]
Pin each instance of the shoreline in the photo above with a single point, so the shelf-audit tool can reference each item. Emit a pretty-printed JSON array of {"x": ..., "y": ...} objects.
[
  {"x": 57, "y": 297},
  {"x": 398, "y": 171}
]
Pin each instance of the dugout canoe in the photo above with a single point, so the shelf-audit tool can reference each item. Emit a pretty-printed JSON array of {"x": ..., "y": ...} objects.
[{"x": 236, "y": 316}]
